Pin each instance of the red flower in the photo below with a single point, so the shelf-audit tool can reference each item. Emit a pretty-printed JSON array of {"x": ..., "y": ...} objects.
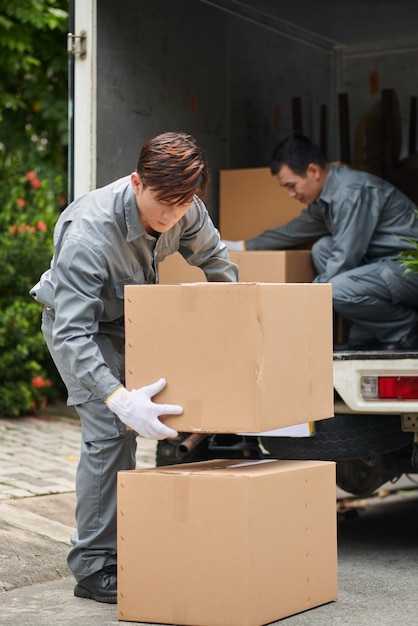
[
  {"x": 38, "y": 382},
  {"x": 32, "y": 177},
  {"x": 20, "y": 202},
  {"x": 42, "y": 226}
]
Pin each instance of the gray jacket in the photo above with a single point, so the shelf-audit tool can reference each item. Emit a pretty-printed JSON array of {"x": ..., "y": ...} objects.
[
  {"x": 99, "y": 247},
  {"x": 367, "y": 218}
]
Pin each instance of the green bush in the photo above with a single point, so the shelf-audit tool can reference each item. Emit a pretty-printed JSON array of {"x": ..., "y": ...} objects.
[{"x": 31, "y": 199}]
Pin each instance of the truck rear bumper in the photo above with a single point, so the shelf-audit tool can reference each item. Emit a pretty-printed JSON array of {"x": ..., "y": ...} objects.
[{"x": 354, "y": 370}]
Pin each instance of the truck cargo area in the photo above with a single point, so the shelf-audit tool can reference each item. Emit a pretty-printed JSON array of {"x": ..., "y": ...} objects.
[{"x": 240, "y": 76}]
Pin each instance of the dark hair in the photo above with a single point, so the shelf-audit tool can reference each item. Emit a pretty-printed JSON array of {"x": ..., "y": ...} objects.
[
  {"x": 174, "y": 167},
  {"x": 297, "y": 152}
]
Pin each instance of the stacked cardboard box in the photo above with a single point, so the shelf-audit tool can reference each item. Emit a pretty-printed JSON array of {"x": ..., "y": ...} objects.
[
  {"x": 250, "y": 201},
  {"x": 226, "y": 543},
  {"x": 239, "y": 357},
  {"x": 229, "y": 542},
  {"x": 279, "y": 266}
]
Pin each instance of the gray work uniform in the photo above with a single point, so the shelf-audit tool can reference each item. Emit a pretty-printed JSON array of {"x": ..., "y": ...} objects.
[
  {"x": 360, "y": 223},
  {"x": 99, "y": 247}
]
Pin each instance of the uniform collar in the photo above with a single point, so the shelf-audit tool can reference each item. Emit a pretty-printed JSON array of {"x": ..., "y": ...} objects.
[
  {"x": 134, "y": 225},
  {"x": 330, "y": 187}
]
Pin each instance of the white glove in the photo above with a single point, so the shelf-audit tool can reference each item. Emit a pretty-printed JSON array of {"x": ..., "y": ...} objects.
[
  {"x": 136, "y": 409},
  {"x": 234, "y": 246}
]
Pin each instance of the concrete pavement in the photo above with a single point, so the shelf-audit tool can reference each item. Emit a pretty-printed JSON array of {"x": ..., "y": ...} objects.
[{"x": 38, "y": 460}]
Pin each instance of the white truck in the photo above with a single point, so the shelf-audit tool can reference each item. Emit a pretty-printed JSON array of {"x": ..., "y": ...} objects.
[{"x": 240, "y": 76}]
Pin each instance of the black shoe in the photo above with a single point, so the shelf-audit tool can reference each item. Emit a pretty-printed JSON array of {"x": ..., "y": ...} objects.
[{"x": 100, "y": 586}]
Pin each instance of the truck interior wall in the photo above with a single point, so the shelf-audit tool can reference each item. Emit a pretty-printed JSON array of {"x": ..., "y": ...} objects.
[
  {"x": 268, "y": 70},
  {"x": 188, "y": 66},
  {"x": 161, "y": 67},
  {"x": 368, "y": 69},
  {"x": 228, "y": 73}
]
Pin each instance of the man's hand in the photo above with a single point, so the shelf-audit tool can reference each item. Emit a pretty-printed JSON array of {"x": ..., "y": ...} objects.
[
  {"x": 234, "y": 246},
  {"x": 136, "y": 409}
]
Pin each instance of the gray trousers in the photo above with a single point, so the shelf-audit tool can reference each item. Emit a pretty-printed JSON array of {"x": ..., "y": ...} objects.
[
  {"x": 106, "y": 448},
  {"x": 377, "y": 299}
]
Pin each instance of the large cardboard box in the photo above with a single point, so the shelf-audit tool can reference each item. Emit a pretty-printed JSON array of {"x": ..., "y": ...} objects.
[
  {"x": 262, "y": 266},
  {"x": 278, "y": 266},
  {"x": 251, "y": 201},
  {"x": 239, "y": 357},
  {"x": 175, "y": 269},
  {"x": 226, "y": 543}
]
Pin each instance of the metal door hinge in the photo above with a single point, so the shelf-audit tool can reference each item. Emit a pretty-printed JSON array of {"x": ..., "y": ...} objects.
[{"x": 77, "y": 44}]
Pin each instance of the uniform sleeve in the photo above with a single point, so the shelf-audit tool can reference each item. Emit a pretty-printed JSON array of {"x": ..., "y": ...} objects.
[
  {"x": 309, "y": 225},
  {"x": 354, "y": 221},
  {"x": 80, "y": 274},
  {"x": 201, "y": 245}
]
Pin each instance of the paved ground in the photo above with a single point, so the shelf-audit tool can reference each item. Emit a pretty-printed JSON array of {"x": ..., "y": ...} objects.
[{"x": 38, "y": 460}]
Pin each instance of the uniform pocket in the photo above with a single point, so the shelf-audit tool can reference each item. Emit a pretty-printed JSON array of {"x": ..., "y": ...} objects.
[{"x": 137, "y": 278}]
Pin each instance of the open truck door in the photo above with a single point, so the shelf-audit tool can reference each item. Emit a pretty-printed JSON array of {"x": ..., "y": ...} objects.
[{"x": 82, "y": 77}]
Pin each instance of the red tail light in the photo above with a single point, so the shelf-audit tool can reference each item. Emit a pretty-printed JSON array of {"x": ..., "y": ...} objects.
[{"x": 397, "y": 387}]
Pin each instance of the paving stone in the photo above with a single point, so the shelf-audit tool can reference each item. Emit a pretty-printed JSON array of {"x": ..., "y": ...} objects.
[{"x": 39, "y": 456}]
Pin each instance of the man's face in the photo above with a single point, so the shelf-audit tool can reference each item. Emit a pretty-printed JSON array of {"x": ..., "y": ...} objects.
[
  {"x": 305, "y": 189},
  {"x": 156, "y": 216}
]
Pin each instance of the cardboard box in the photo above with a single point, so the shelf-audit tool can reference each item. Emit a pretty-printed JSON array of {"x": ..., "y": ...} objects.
[
  {"x": 278, "y": 266},
  {"x": 239, "y": 357},
  {"x": 251, "y": 201},
  {"x": 261, "y": 266},
  {"x": 175, "y": 270},
  {"x": 226, "y": 543}
]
